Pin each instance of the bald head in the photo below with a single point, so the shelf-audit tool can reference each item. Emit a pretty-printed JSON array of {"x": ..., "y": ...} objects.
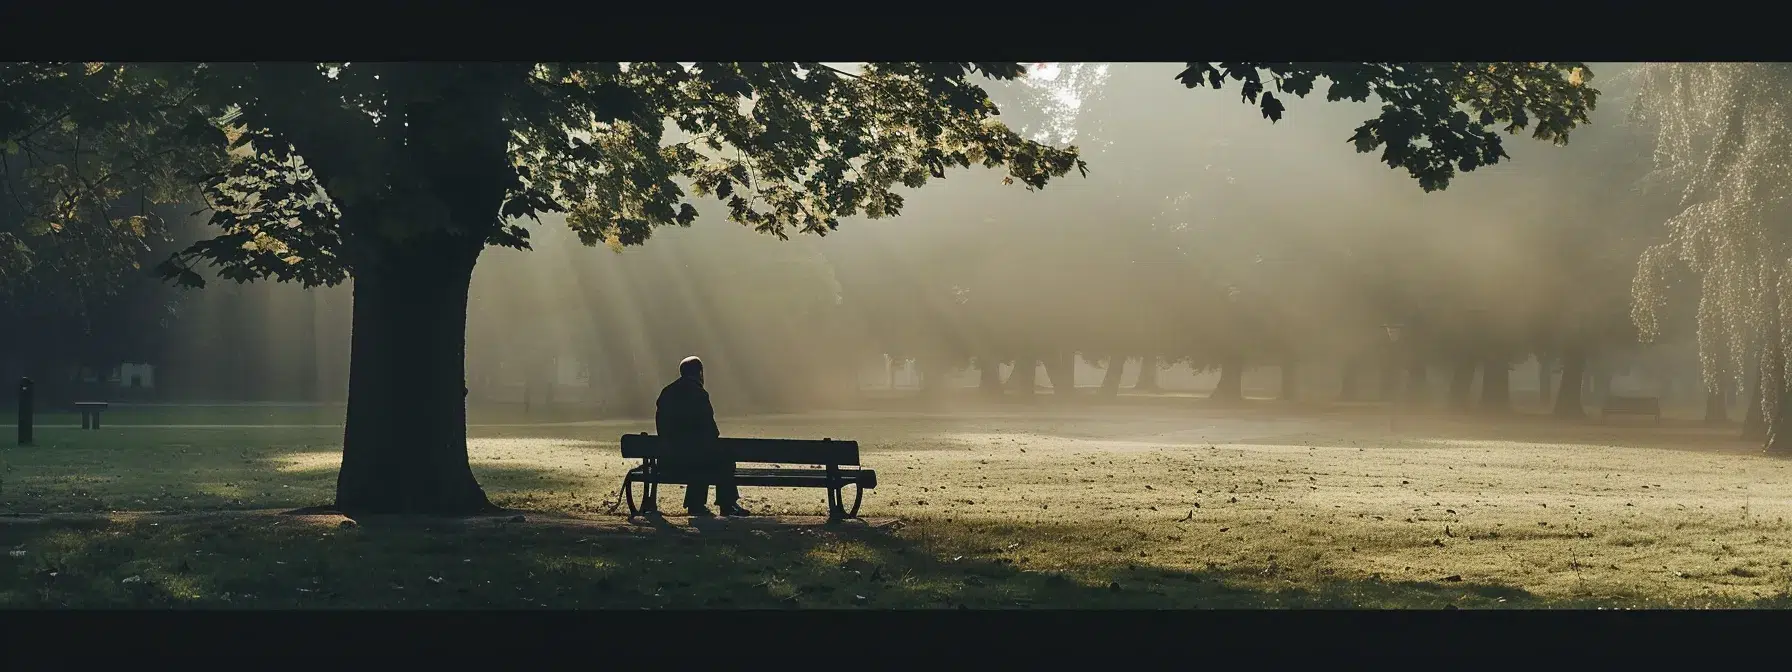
[{"x": 691, "y": 367}]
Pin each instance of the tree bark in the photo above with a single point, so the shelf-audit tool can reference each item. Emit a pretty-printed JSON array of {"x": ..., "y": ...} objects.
[
  {"x": 1568, "y": 396},
  {"x": 1110, "y": 380},
  {"x": 1496, "y": 386},
  {"x": 1290, "y": 379},
  {"x": 1462, "y": 384},
  {"x": 1147, "y": 374},
  {"x": 404, "y": 446},
  {"x": 1231, "y": 384}
]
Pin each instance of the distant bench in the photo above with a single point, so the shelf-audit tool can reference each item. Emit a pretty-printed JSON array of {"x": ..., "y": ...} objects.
[
  {"x": 1616, "y": 405},
  {"x": 90, "y": 413},
  {"x": 829, "y": 464}
]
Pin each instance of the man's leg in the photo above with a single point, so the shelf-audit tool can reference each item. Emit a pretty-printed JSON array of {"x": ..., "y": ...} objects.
[
  {"x": 727, "y": 495},
  {"x": 694, "y": 494}
]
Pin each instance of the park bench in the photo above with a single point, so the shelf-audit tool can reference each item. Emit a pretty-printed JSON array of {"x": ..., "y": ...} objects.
[
  {"x": 1617, "y": 405},
  {"x": 90, "y": 413},
  {"x": 829, "y": 464}
]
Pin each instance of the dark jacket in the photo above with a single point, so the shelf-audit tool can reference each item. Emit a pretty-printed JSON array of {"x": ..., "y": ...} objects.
[{"x": 684, "y": 416}]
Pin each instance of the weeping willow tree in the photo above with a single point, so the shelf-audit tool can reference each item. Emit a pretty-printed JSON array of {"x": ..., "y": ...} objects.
[{"x": 1723, "y": 138}]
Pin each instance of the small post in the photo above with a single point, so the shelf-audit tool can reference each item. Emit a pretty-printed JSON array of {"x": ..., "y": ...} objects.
[
  {"x": 27, "y": 390},
  {"x": 1394, "y": 332}
]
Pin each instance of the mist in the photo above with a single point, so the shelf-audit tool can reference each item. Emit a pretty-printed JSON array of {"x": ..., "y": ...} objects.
[{"x": 1243, "y": 258}]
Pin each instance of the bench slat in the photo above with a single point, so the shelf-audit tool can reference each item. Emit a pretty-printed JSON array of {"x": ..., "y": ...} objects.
[
  {"x": 774, "y": 451},
  {"x": 786, "y": 478}
]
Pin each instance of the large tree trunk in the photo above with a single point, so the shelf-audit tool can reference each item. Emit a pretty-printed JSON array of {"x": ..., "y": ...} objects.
[
  {"x": 1025, "y": 377},
  {"x": 1602, "y": 381},
  {"x": 1231, "y": 385},
  {"x": 1350, "y": 381},
  {"x": 1496, "y": 386},
  {"x": 1147, "y": 374},
  {"x": 1717, "y": 412},
  {"x": 1110, "y": 380},
  {"x": 1061, "y": 369},
  {"x": 1290, "y": 379},
  {"x": 404, "y": 446},
  {"x": 989, "y": 375},
  {"x": 1568, "y": 396},
  {"x": 1462, "y": 384}
]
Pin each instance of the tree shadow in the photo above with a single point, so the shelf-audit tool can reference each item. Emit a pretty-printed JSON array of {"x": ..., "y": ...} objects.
[
  {"x": 221, "y": 469},
  {"x": 284, "y": 562}
]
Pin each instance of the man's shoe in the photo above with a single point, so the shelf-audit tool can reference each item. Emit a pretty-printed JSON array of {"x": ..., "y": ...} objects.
[
  {"x": 699, "y": 512},
  {"x": 735, "y": 511}
]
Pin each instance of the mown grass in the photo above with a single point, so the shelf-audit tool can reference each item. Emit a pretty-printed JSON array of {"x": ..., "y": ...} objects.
[{"x": 1108, "y": 508}]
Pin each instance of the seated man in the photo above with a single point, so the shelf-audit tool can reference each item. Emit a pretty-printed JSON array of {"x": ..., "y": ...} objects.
[{"x": 687, "y": 422}]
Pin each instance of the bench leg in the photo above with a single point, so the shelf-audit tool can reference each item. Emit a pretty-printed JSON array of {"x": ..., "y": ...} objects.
[
  {"x": 628, "y": 495},
  {"x": 96, "y": 421},
  {"x": 837, "y": 510},
  {"x": 86, "y": 420},
  {"x": 650, "y": 498}
]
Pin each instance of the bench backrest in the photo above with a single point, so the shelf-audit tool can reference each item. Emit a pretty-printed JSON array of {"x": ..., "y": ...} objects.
[
  {"x": 1633, "y": 404},
  {"x": 776, "y": 451}
]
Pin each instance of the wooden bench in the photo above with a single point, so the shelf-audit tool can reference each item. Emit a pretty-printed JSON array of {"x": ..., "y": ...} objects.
[
  {"x": 90, "y": 413},
  {"x": 1616, "y": 405},
  {"x": 829, "y": 464}
]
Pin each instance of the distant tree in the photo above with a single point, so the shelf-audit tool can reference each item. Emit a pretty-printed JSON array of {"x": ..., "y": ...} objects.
[{"x": 1722, "y": 139}]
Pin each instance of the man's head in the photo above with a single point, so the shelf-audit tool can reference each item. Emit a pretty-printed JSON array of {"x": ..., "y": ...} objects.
[{"x": 692, "y": 368}]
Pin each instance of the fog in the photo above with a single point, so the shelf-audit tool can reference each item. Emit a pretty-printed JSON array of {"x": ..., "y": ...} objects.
[{"x": 1246, "y": 258}]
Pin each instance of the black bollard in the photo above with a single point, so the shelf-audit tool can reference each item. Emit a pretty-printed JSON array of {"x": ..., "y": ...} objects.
[{"x": 26, "y": 392}]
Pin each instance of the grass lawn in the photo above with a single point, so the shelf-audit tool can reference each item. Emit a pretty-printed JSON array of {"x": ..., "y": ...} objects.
[
  {"x": 131, "y": 415},
  {"x": 1122, "y": 507}
]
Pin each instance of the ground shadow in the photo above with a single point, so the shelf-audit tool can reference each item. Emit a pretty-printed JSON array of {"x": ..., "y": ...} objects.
[
  {"x": 217, "y": 469},
  {"x": 284, "y": 562}
]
